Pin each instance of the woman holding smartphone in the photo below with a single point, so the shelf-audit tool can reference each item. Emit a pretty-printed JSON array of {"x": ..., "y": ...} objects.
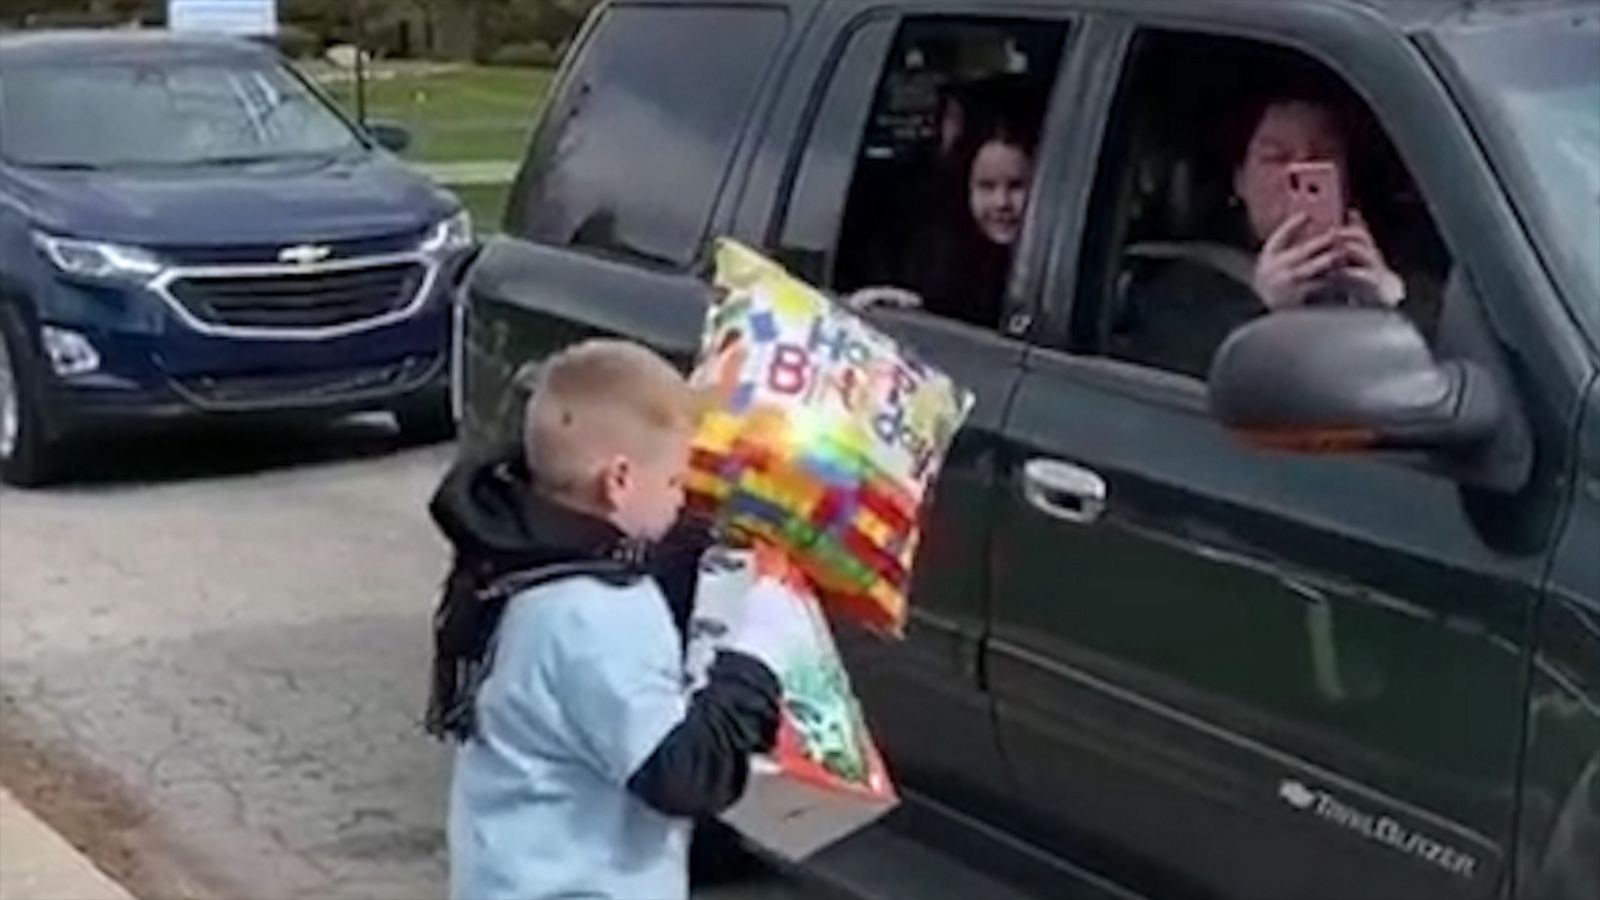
[
  {"x": 1292, "y": 182},
  {"x": 1290, "y": 238}
]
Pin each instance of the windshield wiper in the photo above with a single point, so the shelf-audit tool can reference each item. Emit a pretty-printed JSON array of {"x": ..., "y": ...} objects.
[
  {"x": 258, "y": 158},
  {"x": 65, "y": 166},
  {"x": 237, "y": 160}
]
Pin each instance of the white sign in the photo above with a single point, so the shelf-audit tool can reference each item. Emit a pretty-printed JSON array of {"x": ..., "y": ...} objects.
[{"x": 242, "y": 17}]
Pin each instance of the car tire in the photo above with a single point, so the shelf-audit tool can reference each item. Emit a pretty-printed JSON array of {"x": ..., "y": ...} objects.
[
  {"x": 426, "y": 418},
  {"x": 28, "y": 455}
]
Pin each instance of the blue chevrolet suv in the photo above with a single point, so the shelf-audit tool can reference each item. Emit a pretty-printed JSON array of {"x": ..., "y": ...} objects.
[{"x": 187, "y": 227}]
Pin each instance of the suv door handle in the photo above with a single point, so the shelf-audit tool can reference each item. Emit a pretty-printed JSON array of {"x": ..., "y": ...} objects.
[{"x": 1064, "y": 491}]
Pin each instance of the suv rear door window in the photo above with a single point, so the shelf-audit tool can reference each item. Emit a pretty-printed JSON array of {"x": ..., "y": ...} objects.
[
  {"x": 879, "y": 168},
  {"x": 632, "y": 155},
  {"x": 923, "y": 185}
]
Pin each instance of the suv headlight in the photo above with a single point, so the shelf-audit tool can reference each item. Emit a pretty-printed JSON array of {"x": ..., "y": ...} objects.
[
  {"x": 96, "y": 259},
  {"x": 454, "y": 233}
]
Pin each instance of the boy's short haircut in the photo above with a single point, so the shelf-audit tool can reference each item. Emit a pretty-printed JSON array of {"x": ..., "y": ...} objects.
[{"x": 599, "y": 399}]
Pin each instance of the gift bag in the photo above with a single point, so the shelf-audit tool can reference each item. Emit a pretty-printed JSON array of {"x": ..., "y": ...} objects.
[
  {"x": 821, "y": 435},
  {"x": 825, "y": 778}
]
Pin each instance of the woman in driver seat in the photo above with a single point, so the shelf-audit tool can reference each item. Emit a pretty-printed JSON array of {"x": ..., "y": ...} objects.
[{"x": 1185, "y": 298}]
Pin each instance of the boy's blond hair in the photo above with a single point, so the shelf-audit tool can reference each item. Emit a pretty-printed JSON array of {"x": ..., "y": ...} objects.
[{"x": 596, "y": 400}]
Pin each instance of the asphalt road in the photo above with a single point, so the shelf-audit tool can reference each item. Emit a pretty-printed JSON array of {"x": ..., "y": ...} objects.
[{"x": 213, "y": 655}]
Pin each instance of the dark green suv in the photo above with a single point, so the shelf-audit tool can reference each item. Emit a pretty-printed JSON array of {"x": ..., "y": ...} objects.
[{"x": 1322, "y": 620}]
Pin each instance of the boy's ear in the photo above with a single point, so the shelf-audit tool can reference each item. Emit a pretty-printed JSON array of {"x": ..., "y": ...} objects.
[{"x": 616, "y": 480}]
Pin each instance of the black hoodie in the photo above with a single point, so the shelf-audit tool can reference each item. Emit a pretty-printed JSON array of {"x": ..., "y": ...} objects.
[{"x": 506, "y": 535}]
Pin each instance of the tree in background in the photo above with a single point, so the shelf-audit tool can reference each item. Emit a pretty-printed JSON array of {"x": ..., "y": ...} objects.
[
  {"x": 87, "y": 12},
  {"x": 456, "y": 29},
  {"x": 538, "y": 28},
  {"x": 558, "y": 20},
  {"x": 447, "y": 29}
]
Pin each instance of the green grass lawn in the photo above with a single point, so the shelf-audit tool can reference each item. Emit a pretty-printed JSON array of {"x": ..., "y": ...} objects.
[
  {"x": 486, "y": 201},
  {"x": 456, "y": 113}
]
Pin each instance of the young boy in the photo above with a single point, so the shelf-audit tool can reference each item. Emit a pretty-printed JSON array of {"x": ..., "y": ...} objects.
[{"x": 586, "y": 758}]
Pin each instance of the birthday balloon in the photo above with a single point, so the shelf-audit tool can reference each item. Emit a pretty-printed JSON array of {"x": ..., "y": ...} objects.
[{"x": 822, "y": 434}]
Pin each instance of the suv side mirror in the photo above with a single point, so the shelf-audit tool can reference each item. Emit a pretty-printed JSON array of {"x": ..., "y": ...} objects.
[
  {"x": 1349, "y": 380},
  {"x": 391, "y": 136}
]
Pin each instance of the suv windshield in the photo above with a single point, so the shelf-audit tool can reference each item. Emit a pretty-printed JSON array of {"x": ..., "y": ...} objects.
[
  {"x": 1538, "y": 81},
  {"x": 163, "y": 113}
]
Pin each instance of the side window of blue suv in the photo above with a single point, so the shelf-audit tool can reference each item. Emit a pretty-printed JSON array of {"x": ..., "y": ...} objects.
[{"x": 632, "y": 155}]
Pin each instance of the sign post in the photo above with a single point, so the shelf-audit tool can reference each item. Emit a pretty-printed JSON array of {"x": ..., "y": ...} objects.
[{"x": 361, "y": 62}]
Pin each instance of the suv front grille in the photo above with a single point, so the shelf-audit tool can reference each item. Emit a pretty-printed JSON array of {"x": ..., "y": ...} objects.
[
  {"x": 299, "y": 300},
  {"x": 241, "y": 392}
]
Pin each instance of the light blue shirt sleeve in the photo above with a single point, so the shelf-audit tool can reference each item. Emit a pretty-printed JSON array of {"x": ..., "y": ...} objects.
[{"x": 618, "y": 675}]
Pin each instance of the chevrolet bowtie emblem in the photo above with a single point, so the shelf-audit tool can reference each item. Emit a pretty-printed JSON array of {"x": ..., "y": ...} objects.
[{"x": 305, "y": 254}]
